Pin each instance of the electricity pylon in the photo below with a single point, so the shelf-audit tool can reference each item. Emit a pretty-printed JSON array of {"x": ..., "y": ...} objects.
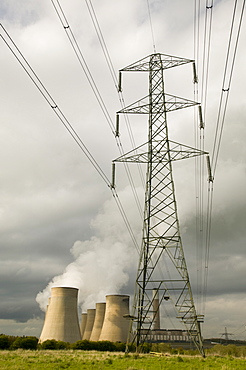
[
  {"x": 226, "y": 334},
  {"x": 162, "y": 266}
]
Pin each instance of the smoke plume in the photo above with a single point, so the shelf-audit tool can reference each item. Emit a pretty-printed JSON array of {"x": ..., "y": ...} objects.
[{"x": 103, "y": 263}]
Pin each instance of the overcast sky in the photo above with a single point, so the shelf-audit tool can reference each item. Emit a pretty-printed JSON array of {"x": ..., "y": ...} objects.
[{"x": 59, "y": 222}]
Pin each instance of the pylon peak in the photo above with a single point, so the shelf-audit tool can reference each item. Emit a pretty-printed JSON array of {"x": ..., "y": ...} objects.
[{"x": 148, "y": 63}]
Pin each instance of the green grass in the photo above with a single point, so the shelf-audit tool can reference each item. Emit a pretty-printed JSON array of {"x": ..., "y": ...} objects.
[{"x": 90, "y": 360}]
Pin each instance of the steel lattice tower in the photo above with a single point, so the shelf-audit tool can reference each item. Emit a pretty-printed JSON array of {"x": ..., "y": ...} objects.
[{"x": 162, "y": 264}]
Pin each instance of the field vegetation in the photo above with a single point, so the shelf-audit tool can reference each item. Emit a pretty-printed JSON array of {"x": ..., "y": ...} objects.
[{"x": 25, "y": 353}]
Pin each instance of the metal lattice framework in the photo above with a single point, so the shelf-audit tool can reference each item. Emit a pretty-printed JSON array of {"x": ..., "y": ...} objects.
[{"x": 162, "y": 264}]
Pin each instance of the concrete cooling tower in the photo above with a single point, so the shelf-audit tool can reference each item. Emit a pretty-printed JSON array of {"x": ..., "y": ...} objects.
[
  {"x": 61, "y": 320},
  {"x": 83, "y": 323},
  {"x": 98, "y": 323},
  {"x": 91, "y": 312},
  {"x": 115, "y": 327}
]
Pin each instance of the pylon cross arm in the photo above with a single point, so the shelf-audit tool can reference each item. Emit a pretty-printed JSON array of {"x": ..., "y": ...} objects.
[
  {"x": 162, "y": 61},
  {"x": 176, "y": 150},
  {"x": 171, "y": 103}
]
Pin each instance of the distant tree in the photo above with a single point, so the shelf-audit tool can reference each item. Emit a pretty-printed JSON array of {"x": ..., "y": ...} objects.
[
  {"x": 146, "y": 347},
  {"x": 4, "y": 341},
  {"x": 106, "y": 345},
  {"x": 62, "y": 345},
  {"x": 131, "y": 347},
  {"x": 25, "y": 343},
  {"x": 161, "y": 347},
  {"x": 120, "y": 347},
  {"x": 49, "y": 344},
  {"x": 84, "y": 344}
]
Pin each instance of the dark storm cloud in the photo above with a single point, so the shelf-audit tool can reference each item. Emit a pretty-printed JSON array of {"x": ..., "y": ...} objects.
[
  {"x": 19, "y": 281},
  {"x": 21, "y": 305}
]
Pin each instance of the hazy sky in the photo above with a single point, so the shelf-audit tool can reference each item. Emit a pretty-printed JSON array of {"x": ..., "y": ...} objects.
[{"x": 59, "y": 222}]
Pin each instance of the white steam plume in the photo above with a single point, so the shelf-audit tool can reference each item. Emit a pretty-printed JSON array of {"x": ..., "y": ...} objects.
[{"x": 103, "y": 263}]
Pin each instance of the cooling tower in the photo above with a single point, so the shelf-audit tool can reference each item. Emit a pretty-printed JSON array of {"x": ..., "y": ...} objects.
[
  {"x": 115, "y": 327},
  {"x": 98, "y": 323},
  {"x": 61, "y": 320},
  {"x": 47, "y": 309},
  {"x": 83, "y": 323},
  {"x": 91, "y": 312},
  {"x": 156, "y": 311}
]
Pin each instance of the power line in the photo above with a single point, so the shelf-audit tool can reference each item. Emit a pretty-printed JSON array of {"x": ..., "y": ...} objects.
[
  {"x": 46, "y": 95},
  {"x": 151, "y": 27},
  {"x": 117, "y": 84},
  {"x": 102, "y": 41},
  {"x": 82, "y": 61},
  {"x": 204, "y": 90},
  {"x": 39, "y": 85},
  {"x": 64, "y": 21},
  {"x": 221, "y": 116},
  {"x": 207, "y": 243},
  {"x": 199, "y": 137},
  {"x": 226, "y": 86},
  {"x": 206, "y": 52},
  {"x": 121, "y": 98}
]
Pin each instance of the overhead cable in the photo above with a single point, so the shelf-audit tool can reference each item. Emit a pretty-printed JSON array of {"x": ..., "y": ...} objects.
[
  {"x": 151, "y": 26},
  {"x": 122, "y": 102},
  {"x": 199, "y": 161},
  {"x": 227, "y": 78},
  {"x": 116, "y": 83},
  {"x": 49, "y": 99},
  {"x": 206, "y": 53},
  {"x": 101, "y": 40},
  {"x": 82, "y": 61},
  {"x": 64, "y": 21},
  {"x": 206, "y": 216},
  {"x": 226, "y": 84},
  {"x": 207, "y": 243}
]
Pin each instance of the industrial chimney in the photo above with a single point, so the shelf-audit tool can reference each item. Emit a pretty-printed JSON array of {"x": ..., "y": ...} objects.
[
  {"x": 83, "y": 323},
  {"x": 61, "y": 320},
  {"x": 156, "y": 311},
  {"x": 98, "y": 323},
  {"x": 91, "y": 312},
  {"x": 115, "y": 327}
]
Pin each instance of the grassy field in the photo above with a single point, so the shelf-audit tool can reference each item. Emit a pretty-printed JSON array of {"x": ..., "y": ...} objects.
[{"x": 70, "y": 359}]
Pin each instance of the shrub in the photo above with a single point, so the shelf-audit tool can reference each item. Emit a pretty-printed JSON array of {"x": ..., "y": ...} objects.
[
  {"x": 82, "y": 344},
  {"x": 229, "y": 350},
  {"x": 106, "y": 345},
  {"x": 131, "y": 347},
  {"x": 233, "y": 350},
  {"x": 146, "y": 347},
  {"x": 174, "y": 351},
  {"x": 25, "y": 343},
  {"x": 49, "y": 344},
  {"x": 62, "y": 345},
  {"x": 120, "y": 347},
  {"x": 161, "y": 347},
  {"x": 4, "y": 341}
]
